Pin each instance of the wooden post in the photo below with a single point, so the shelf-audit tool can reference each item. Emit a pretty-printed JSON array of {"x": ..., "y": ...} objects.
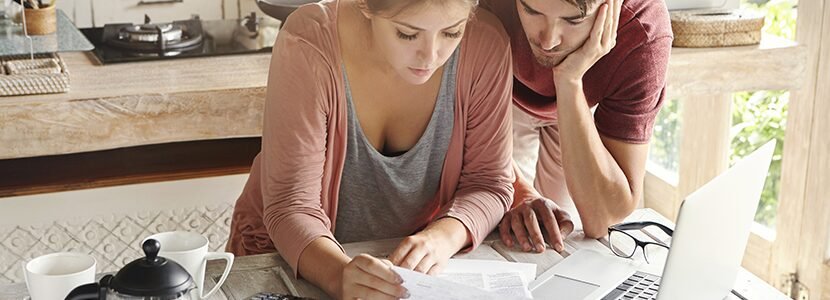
[
  {"x": 799, "y": 203},
  {"x": 704, "y": 140}
]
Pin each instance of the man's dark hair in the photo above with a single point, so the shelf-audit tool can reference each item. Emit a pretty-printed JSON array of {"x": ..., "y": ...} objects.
[{"x": 582, "y": 5}]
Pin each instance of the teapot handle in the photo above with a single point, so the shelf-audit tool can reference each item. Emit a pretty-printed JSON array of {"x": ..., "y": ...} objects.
[{"x": 91, "y": 291}]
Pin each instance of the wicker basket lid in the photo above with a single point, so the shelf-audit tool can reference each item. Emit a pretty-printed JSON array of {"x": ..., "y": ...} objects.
[
  {"x": 715, "y": 21},
  {"x": 716, "y": 28}
]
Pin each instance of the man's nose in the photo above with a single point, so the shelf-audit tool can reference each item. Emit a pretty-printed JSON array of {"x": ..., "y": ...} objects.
[{"x": 550, "y": 38}]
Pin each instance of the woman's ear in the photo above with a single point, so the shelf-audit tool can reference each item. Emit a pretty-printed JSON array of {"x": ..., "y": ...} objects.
[{"x": 364, "y": 9}]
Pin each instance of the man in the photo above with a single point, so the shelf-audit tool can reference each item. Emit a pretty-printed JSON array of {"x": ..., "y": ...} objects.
[{"x": 589, "y": 79}]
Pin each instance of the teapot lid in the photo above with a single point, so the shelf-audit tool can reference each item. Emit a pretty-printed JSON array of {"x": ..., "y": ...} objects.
[{"x": 152, "y": 275}]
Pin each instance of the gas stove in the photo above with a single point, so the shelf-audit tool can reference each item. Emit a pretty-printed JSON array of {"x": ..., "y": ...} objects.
[{"x": 118, "y": 43}]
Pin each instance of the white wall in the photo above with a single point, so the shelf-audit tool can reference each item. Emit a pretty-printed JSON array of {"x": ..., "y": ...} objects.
[{"x": 108, "y": 223}]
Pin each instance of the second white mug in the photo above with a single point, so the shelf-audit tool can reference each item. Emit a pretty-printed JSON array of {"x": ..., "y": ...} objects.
[
  {"x": 190, "y": 250},
  {"x": 53, "y": 276}
]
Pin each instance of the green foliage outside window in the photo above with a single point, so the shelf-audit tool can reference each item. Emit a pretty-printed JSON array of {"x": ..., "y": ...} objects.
[
  {"x": 759, "y": 117},
  {"x": 666, "y": 139}
]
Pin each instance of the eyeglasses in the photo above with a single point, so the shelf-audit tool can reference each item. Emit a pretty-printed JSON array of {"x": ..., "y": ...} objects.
[{"x": 625, "y": 245}]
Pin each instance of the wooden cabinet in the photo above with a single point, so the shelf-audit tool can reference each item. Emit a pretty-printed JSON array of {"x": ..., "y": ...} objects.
[{"x": 133, "y": 11}]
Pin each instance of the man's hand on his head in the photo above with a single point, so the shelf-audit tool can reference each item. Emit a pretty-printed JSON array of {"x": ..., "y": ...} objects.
[{"x": 602, "y": 39}]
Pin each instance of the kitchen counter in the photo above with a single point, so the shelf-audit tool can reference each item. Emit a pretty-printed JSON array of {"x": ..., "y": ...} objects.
[
  {"x": 270, "y": 273},
  {"x": 122, "y": 105}
]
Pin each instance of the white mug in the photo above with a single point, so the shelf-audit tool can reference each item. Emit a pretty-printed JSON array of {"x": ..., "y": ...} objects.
[
  {"x": 190, "y": 250},
  {"x": 53, "y": 276}
]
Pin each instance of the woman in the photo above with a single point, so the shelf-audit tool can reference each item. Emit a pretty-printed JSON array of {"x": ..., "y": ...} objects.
[{"x": 383, "y": 119}]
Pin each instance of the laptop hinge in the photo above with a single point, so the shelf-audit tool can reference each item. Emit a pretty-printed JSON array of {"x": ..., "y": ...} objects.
[{"x": 794, "y": 289}]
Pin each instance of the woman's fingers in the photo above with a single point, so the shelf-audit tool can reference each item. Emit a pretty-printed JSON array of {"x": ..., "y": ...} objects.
[
  {"x": 435, "y": 270},
  {"x": 377, "y": 268},
  {"x": 395, "y": 291},
  {"x": 370, "y": 278},
  {"x": 365, "y": 292},
  {"x": 413, "y": 258},
  {"x": 400, "y": 253},
  {"x": 425, "y": 264}
]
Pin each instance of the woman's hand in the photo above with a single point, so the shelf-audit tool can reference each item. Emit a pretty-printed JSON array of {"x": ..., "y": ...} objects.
[
  {"x": 429, "y": 250},
  {"x": 366, "y": 277}
]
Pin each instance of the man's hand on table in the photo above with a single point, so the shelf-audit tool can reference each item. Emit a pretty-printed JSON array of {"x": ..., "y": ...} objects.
[{"x": 523, "y": 220}]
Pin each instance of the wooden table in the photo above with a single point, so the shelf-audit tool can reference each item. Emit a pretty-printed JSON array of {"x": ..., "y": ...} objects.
[{"x": 269, "y": 272}]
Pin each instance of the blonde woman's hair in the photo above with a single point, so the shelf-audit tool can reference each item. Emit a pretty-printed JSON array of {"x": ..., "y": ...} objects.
[{"x": 391, "y": 8}]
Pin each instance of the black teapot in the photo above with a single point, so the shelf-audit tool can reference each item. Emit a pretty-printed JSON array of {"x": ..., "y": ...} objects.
[{"x": 150, "y": 277}]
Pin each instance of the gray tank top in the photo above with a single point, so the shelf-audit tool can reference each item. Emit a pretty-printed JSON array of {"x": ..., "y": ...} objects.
[{"x": 381, "y": 196}]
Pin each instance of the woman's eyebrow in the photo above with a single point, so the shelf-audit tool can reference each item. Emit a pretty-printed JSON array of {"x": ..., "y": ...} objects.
[{"x": 421, "y": 29}]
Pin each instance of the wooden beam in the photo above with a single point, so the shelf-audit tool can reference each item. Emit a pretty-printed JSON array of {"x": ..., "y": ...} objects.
[
  {"x": 733, "y": 69},
  {"x": 758, "y": 253},
  {"x": 660, "y": 195},
  {"x": 704, "y": 140},
  {"x": 109, "y": 123},
  {"x": 815, "y": 218},
  {"x": 802, "y": 115}
]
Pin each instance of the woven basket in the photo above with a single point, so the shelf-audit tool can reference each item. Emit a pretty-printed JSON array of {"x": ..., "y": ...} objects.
[
  {"x": 46, "y": 74},
  {"x": 716, "y": 28}
]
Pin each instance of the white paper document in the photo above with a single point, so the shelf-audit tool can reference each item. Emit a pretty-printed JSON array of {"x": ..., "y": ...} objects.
[{"x": 471, "y": 279}]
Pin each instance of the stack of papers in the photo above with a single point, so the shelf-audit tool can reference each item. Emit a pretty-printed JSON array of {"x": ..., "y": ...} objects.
[{"x": 471, "y": 279}]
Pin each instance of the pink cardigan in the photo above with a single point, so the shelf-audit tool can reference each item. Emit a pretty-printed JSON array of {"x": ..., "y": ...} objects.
[{"x": 290, "y": 198}]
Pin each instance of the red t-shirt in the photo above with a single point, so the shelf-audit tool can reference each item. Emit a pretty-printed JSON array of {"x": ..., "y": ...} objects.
[{"x": 628, "y": 84}]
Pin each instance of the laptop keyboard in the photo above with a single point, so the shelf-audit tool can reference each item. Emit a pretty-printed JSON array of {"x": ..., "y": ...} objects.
[{"x": 639, "y": 286}]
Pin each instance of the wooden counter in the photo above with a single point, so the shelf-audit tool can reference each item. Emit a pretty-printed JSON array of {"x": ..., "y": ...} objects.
[{"x": 122, "y": 105}]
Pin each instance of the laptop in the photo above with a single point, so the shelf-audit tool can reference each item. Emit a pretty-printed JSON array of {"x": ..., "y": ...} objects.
[
  {"x": 702, "y": 4},
  {"x": 705, "y": 255}
]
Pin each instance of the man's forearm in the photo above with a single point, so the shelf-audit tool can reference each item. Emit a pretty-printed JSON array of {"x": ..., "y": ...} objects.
[{"x": 599, "y": 187}]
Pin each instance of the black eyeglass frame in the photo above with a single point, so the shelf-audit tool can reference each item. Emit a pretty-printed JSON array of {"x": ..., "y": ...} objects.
[{"x": 621, "y": 227}]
